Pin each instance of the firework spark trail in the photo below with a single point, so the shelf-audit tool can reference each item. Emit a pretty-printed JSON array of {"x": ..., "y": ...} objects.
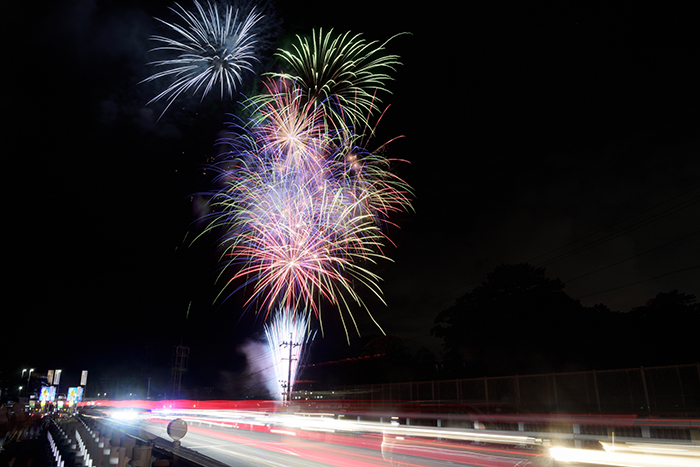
[
  {"x": 213, "y": 47},
  {"x": 285, "y": 330}
]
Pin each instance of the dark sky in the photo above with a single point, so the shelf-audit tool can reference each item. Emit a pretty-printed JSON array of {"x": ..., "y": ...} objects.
[{"x": 564, "y": 135}]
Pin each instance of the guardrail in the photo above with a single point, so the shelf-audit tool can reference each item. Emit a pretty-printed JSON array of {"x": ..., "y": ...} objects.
[{"x": 73, "y": 441}]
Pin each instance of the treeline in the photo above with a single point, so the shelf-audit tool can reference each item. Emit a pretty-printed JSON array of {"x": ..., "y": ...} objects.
[{"x": 521, "y": 322}]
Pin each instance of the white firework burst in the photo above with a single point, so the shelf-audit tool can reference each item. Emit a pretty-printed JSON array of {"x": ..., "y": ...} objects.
[
  {"x": 214, "y": 47},
  {"x": 287, "y": 335}
]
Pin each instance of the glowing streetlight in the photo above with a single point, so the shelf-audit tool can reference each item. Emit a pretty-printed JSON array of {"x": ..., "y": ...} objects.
[{"x": 28, "y": 377}]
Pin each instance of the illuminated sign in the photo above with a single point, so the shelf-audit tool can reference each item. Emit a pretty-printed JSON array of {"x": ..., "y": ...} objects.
[
  {"x": 75, "y": 395},
  {"x": 48, "y": 394},
  {"x": 83, "y": 378},
  {"x": 49, "y": 377}
]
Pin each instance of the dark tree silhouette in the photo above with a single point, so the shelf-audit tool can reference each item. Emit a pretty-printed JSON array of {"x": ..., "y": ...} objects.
[
  {"x": 383, "y": 359},
  {"x": 425, "y": 365},
  {"x": 665, "y": 330},
  {"x": 517, "y": 321}
]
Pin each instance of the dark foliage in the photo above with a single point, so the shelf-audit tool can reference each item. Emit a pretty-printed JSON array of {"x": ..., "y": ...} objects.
[{"x": 519, "y": 321}]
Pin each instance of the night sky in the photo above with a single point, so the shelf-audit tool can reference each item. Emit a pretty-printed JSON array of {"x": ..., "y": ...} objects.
[{"x": 565, "y": 135}]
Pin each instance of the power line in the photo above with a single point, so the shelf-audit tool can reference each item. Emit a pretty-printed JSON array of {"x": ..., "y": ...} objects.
[
  {"x": 613, "y": 236},
  {"x": 259, "y": 371},
  {"x": 639, "y": 282},
  {"x": 607, "y": 228},
  {"x": 568, "y": 281}
]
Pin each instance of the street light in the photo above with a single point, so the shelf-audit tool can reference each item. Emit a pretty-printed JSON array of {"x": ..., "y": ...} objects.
[{"x": 28, "y": 377}]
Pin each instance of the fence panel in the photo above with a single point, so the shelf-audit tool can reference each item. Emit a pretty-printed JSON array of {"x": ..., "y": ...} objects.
[
  {"x": 535, "y": 395},
  {"x": 665, "y": 389},
  {"x": 621, "y": 391},
  {"x": 573, "y": 393},
  {"x": 690, "y": 378},
  {"x": 423, "y": 391},
  {"x": 472, "y": 391},
  {"x": 446, "y": 390},
  {"x": 632, "y": 390}
]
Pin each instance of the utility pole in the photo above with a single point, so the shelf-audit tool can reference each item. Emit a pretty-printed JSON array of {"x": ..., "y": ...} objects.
[
  {"x": 180, "y": 356},
  {"x": 289, "y": 384}
]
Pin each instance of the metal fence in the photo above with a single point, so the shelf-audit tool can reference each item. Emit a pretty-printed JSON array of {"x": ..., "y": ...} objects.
[{"x": 665, "y": 389}]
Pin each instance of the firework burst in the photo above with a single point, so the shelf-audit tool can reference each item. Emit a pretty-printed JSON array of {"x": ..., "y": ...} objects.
[
  {"x": 342, "y": 73},
  {"x": 288, "y": 128},
  {"x": 300, "y": 235},
  {"x": 303, "y": 204},
  {"x": 213, "y": 47}
]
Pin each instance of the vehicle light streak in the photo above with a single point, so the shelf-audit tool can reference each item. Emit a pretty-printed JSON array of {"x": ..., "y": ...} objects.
[
  {"x": 327, "y": 424},
  {"x": 457, "y": 454},
  {"x": 470, "y": 446},
  {"x": 316, "y": 452},
  {"x": 331, "y": 452},
  {"x": 638, "y": 455},
  {"x": 649, "y": 448}
]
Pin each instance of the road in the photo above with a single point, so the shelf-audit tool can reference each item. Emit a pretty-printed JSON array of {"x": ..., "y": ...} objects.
[
  {"x": 258, "y": 435},
  {"x": 282, "y": 447}
]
